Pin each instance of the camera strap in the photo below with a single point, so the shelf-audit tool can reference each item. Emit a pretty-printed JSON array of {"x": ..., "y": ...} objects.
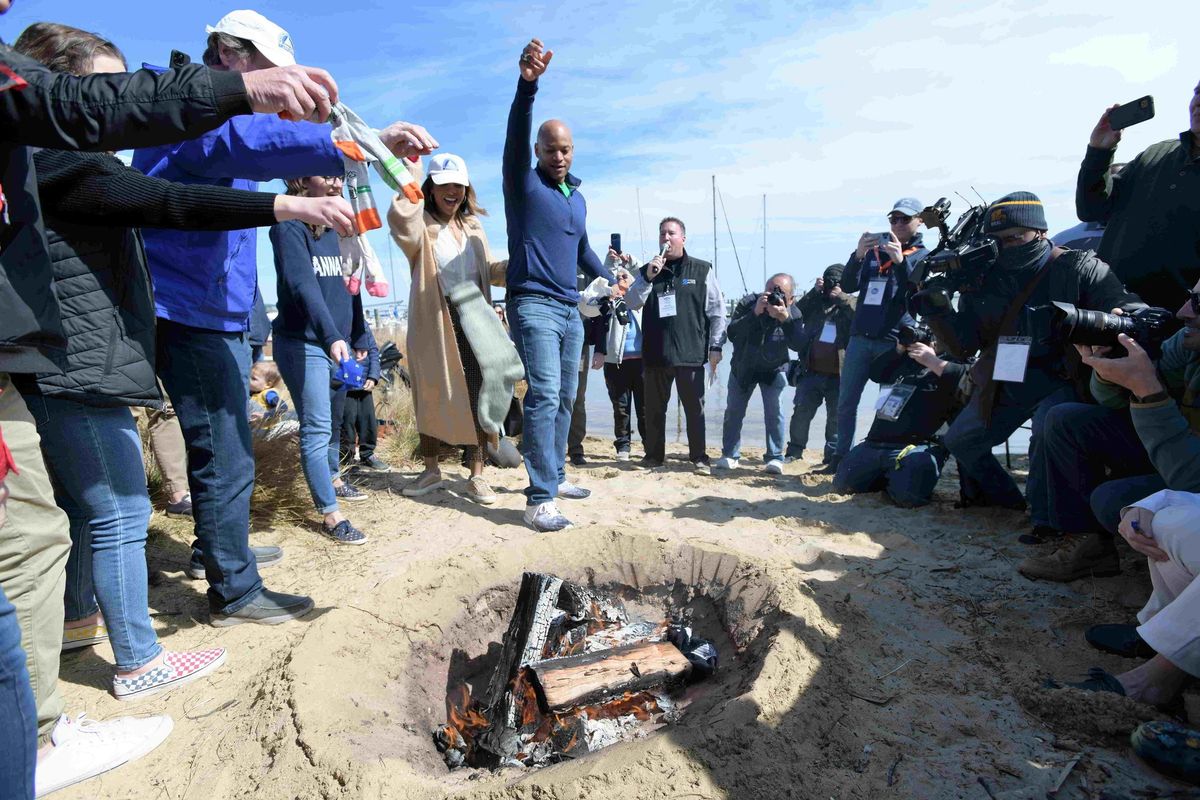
[{"x": 984, "y": 371}]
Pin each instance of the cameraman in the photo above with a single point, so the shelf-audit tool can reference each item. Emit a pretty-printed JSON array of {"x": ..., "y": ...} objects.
[
  {"x": 902, "y": 455},
  {"x": 763, "y": 328},
  {"x": 1031, "y": 370},
  {"x": 881, "y": 270},
  {"x": 1143, "y": 437},
  {"x": 828, "y": 313}
]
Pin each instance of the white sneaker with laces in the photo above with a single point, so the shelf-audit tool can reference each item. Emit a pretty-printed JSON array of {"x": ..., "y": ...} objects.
[
  {"x": 774, "y": 467},
  {"x": 84, "y": 748},
  {"x": 569, "y": 491},
  {"x": 546, "y": 518},
  {"x": 724, "y": 462}
]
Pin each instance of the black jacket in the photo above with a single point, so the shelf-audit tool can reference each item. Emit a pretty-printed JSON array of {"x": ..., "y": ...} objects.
[
  {"x": 99, "y": 112},
  {"x": 816, "y": 309},
  {"x": 935, "y": 399},
  {"x": 760, "y": 342},
  {"x": 100, "y": 277}
]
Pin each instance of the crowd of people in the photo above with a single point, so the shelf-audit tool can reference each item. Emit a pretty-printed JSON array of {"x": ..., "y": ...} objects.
[{"x": 136, "y": 288}]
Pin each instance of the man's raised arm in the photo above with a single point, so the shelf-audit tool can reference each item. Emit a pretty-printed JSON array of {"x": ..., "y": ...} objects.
[{"x": 517, "y": 150}]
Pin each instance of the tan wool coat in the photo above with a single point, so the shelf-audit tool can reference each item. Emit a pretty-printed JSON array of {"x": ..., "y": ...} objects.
[{"x": 439, "y": 380}]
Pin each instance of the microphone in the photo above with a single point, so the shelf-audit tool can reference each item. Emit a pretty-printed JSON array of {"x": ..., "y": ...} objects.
[{"x": 666, "y": 246}]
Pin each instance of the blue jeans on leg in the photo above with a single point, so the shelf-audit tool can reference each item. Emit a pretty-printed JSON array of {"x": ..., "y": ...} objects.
[
  {"x": 770, "y": 387},
  {"x": 811, "y": 391},
  {"x": 878, "y": 466},
  {"x": 19, "y": 733},
  {"x": 856, "y": 370},
  {"x": 1109, "y": 498},
  {"x": 306, "y": 371},
  {"x": 548, "y": 335},
  {"x": 94, "y": 457},
  {"x": 206, "y": 373},
  {"x": 1083, "y": 445}
]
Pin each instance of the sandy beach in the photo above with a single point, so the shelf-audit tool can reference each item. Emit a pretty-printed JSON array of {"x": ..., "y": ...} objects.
[{"x": 867, "y": 651}]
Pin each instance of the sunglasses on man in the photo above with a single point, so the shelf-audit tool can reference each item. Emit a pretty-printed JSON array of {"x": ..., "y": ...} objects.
[{"x": 899, "y": 219}]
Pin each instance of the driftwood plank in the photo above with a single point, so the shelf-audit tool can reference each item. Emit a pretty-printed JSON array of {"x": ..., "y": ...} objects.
[{"x": 578, "y": 680}]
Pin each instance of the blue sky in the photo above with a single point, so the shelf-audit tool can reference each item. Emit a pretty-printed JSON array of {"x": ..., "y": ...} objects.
[{"x": 833, "y": 110}]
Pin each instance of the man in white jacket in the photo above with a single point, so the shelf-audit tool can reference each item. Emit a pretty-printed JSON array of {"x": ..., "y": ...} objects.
[{"x": 622, "y": 358}]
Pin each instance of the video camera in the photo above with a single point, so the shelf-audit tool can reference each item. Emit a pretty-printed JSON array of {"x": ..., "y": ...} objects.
[
  {"x": 959, "y": 263},
  {"x": 1149, "y": 327},
  {"x": 909, "y": 335}
]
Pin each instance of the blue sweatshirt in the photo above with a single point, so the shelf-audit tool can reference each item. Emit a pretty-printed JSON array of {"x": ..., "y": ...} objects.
[
  {"x": 207, "y": 279},
  {"x": 314, "y": 305},
  {"x": 547, "y": 230}
]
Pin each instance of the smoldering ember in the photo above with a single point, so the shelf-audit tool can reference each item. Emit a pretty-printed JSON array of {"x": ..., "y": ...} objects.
[{"x": 576, "y": 673}]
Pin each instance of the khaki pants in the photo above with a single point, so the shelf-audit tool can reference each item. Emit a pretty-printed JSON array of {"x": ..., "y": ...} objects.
[
  {"x": 1171, "y": 620},
  {"x": 34, "y": 545},
  {"x": 166, "y": 442}
]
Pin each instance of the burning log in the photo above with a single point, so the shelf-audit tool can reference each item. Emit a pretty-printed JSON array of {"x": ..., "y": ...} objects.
[
  {"x": 523, "y": 643},
  {"x": 592, "y": 677}
]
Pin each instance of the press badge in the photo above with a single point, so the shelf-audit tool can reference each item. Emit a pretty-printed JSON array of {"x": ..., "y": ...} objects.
[
  {"x": 828, "y": 333},
  {"x": 666, "y": 304},
  {"x": 895, "y": 402},
  {"x": 875, "y": 288},
  {"x": 1012, "y": 356}
]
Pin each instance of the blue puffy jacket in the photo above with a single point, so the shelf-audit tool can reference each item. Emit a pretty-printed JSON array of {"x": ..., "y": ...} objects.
[{"x": 207, "y": 279}]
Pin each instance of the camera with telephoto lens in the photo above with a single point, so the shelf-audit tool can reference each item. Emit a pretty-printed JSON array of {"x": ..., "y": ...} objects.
[
  {"x": 776, "y": 297},
  {"x": 909, "y": 335},
  {"x": 959, "y": 263},
  {"x": 1149, "y": 327}
]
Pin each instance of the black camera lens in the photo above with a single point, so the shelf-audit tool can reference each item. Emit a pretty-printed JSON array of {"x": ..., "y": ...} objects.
[
  {"x": 1083, "y": 326},
  {"x": 777, "y": 297}
]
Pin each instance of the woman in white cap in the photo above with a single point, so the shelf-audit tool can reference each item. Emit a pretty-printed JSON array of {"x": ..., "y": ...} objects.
[{"x": 444, "y": 242}]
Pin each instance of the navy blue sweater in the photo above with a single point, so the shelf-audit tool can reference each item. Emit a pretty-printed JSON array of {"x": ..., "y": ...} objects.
[
  {"x": 547, "y": 231},
  {"x": 314, "y": 305}
]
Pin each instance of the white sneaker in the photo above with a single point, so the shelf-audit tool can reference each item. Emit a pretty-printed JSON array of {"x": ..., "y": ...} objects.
[
  {"x": 570, "y": 491},
  {"x": 774, "y": 466},
  {"x": 546, "y": 518},
  {"x": 724, "y": 462},
  {"x": 84, "y": 748},
  {"x": 622, "y": 455}
]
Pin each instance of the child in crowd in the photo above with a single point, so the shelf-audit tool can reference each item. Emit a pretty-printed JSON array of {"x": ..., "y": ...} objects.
[{"x": 360, "y": 428}]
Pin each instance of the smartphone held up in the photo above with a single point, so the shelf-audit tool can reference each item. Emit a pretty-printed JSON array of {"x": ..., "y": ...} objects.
[{"x": 1129, "y": 114}]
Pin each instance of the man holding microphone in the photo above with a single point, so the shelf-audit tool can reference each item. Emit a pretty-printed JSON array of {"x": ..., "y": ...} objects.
[{"x": 684, "y": 325}]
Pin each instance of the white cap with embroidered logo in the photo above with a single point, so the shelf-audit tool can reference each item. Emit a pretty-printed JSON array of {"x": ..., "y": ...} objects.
[
  {"x": 448, "y": 168},
  {"x": 271, "y": 40}
]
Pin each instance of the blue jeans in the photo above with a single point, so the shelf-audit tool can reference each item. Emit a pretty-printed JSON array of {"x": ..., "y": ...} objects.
[
  {"x": 735, "y": 413},
  {"x": 873, "y": 467},
  {"x": 856, "y": 370},
  {"x": 811, "y": 391},
  {"x": 94, "y": 457},
  {"x": 1109, "y": 498},
  {"x": 1083, "y": 447},
  {"x": 19, "y": 733},
  {"x": 548, "y": 335},
  {"x": 970, "y": 440},
  {"x": 306, "y": 370},
  {"x": 207, "y": 373}
]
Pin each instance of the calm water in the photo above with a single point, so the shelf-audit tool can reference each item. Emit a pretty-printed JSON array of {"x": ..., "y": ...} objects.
[{"x": 600, "y": 416}]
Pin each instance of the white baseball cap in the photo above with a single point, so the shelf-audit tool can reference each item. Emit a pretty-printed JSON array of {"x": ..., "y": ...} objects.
[
  {"x": 448, "y": 168},
  {"x": 271, "y": 40}
]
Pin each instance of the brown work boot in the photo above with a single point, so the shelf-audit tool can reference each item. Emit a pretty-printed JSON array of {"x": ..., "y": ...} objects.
[{"x": 1079, "y": 555}]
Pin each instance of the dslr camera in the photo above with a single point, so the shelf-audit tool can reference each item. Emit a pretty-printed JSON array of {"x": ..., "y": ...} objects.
[
  {"x": 776, "y": 297},
  {"x": 959, "y": 263},
  {"x": 1149, "y": 327},
  {"x": 911, "y": 334}
]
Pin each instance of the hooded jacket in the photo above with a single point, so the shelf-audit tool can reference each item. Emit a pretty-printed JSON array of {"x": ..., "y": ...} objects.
[
  {"x": 761, "y": 342},
  {"x": 98, "y": 112}
]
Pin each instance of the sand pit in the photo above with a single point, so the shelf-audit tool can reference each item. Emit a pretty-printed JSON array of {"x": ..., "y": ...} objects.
[{"x": 867, "y": 650}]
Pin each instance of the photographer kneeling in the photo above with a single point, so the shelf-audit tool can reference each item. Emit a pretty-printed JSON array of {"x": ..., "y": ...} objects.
[
  {"x": 1023, "y": 369},
  {"x": 1143, "y": 437},
  {"x": 902, "y": 454}
]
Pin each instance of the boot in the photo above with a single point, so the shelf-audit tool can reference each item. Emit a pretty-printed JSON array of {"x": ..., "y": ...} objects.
[{"x": 1079, "y": 556}]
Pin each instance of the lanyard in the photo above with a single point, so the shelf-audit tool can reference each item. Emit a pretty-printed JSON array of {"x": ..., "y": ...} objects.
[{"x": 886, "y": 266}]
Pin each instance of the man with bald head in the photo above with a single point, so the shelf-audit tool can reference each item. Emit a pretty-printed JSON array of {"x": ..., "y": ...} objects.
[
  {"x": 547, "y": 248},
  {"x": 765, "y": 326}
]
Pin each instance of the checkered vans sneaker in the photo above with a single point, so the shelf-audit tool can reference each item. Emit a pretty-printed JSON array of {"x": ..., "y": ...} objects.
[
  {"x": 344, "y": 532},
  {"x": 175, "y": 670},
  {"x": 88, "y": 635}
]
